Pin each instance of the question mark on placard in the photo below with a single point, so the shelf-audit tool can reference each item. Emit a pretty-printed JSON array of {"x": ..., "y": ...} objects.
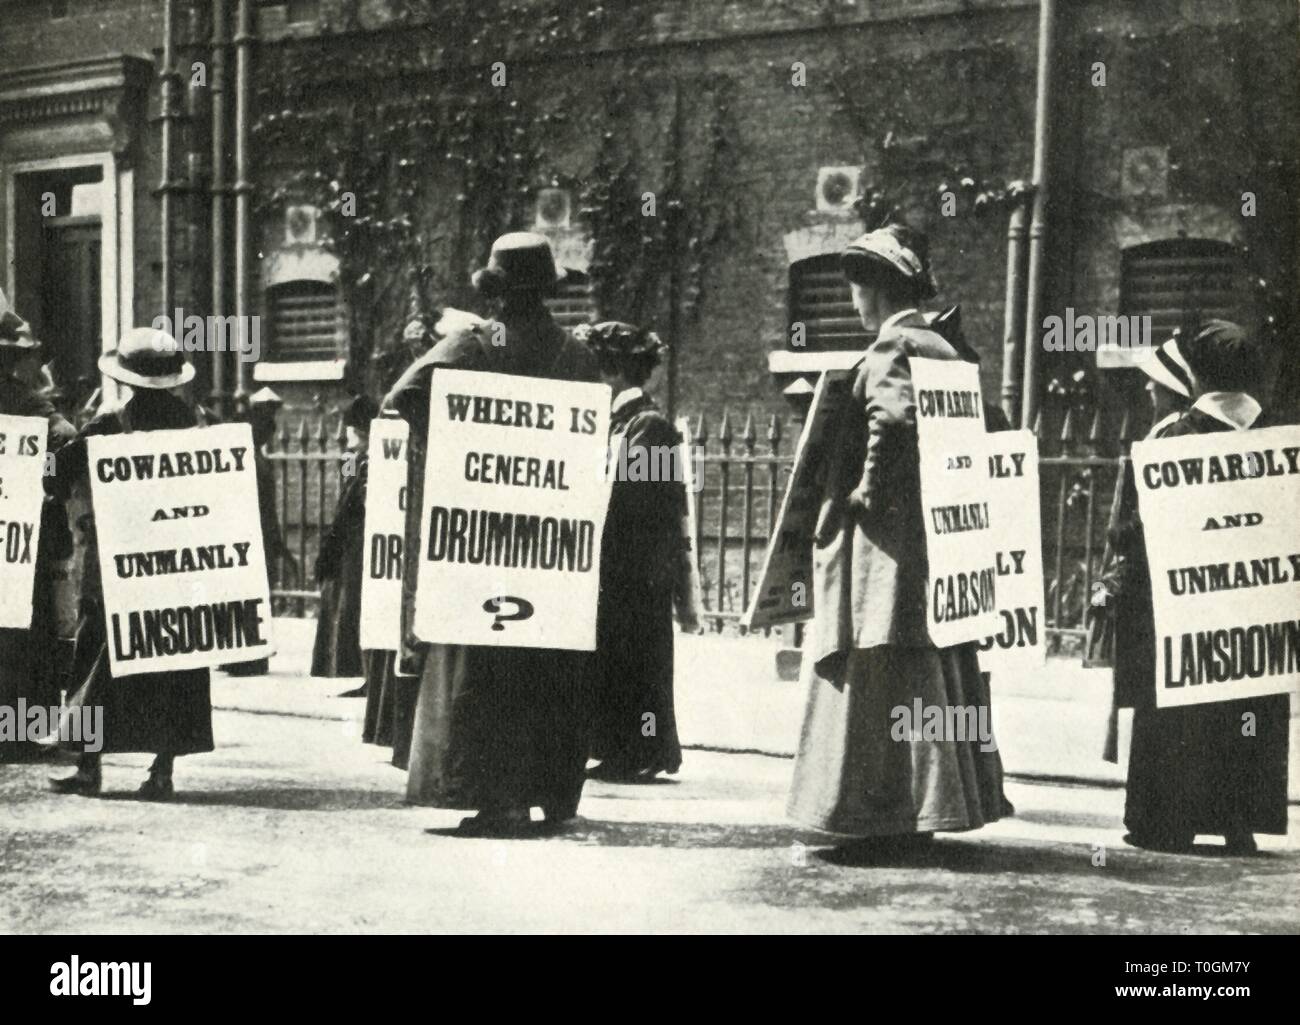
[{"x": 523, "y": 610}]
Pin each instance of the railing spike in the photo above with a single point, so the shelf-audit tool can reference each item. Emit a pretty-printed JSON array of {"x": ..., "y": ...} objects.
[
  {"x": 303, "y": 435},
  {"x": 1126, "y": 428},
  {"x": 1094, "y": 432},
  {"x": 1068, "y": 431},
  {"x": 748, "y": 434},
  {"x": 724, "y": 429},
  {"x": 701, "y": 430},
  {"x": 774, "y": 433}
]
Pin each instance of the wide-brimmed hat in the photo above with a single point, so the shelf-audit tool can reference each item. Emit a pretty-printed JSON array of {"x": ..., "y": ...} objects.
[
  {"x": 895, "y": 248},
  {"x": 147, "y": 357},
  {"x": 520, "y": 261},
  {"x": 14, "y": 332},
  {"x": 1167, "y": 367},
  {"x": 614, "y": 338},
  {"x": 1223, "y": 356},
  {"x": 266, "y": 397}
]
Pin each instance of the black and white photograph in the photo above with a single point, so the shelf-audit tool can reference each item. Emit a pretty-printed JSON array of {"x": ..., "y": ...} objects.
[{"x": 768, "y": 468}]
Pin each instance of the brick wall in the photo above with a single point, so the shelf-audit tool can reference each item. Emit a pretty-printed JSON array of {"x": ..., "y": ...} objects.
[{"x": 1212, "y": 84}]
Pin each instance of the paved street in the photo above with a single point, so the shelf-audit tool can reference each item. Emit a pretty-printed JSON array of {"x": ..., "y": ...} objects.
[{"x": 294, "y": 825}]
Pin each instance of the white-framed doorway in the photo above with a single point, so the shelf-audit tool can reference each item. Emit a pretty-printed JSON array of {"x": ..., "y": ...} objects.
[{"x": 116, "y": 278}]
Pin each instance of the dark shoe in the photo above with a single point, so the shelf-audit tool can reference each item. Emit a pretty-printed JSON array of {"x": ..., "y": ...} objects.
[
  {"x": 610, "y": 771},
  {"x": 87, "y": 784},
  {"x": 558, "y": 814},
  {"x": 156, "y": 788},
  {"x": 495, "y": 823},
  {"x": 1241, "y": 844},
  {"x": 1165, "y": 844},
  {"x": 356, "y": 692}
]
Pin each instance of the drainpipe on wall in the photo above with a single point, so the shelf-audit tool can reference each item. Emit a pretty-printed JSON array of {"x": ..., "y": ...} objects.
[
  {"x": 243, "y": 72},
  {"x": 675, "y": 269},
  {"x": 191, "y": 53},
  {"x": 218, "y": 194},
  {"x": 1038, "y": 226},
  {"x": 1013, "y": 322},
  {"x": 167, "y": 114}
]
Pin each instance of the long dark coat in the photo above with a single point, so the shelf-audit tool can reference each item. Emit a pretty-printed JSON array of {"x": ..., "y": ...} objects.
[
  {"x": 337, "y": 651},
  {"x": 1190, "y": 769},
  {"x": 639, "y": 557},
  {"x": 869, "y": 649},
  {"x": 494, "y": 727},
  {"x": 390, "y": 706},
  {"x": 167, "y": 713},
  {"x": 30, "y": 659}
]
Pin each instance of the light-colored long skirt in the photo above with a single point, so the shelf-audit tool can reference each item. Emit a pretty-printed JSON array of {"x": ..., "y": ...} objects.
[{"x": 863, "y": 769}]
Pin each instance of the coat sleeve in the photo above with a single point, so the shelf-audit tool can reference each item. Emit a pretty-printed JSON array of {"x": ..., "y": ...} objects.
[{"x": 884, "y": 390}]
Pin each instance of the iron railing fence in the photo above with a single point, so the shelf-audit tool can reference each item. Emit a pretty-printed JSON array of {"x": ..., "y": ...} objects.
[
  {"x": 308, "y": 459},
  {"x": 744, "y": 474}
]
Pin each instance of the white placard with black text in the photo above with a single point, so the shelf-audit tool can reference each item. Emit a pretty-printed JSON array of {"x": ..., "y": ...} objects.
[
  {"x": 22, "y": 491},
  {"x": 961, "y": 549},
  {"x": 385, "y": 535},
  {"x": 180, "y": 548},
  {"x": 1219, "y": 519},
  {"x": 1011, "y": 465},
  {"x": 515, "y": 497}
]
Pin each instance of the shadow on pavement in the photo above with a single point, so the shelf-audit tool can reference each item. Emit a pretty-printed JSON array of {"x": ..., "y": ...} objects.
[
  {"x": 688, "y": 835},
  {"x": 1035, "y": 858},
  {"x": 285, "y": 799}
]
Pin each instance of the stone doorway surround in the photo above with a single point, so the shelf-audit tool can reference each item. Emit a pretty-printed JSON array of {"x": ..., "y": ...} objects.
[{"x": 70, "y": 116}]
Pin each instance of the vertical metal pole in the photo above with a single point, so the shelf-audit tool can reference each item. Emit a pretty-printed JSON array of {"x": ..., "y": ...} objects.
[
  {"x": 220, "y": 40},
  {"x": 242, "y": 187},
  {"x": 166, "y": 114},
  {"x": 1038, "y": 227},
  {"x": 1013, "y": 336},
  {"x": 675, "y": 212}
]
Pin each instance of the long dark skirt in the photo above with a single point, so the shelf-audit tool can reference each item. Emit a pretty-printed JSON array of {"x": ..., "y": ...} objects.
[
  {"x": 1191, "y": 770},
  {"x": 634, "y": 722},
  {"x": 390, "y": 706},
  {"x": 854, "y": 774},
  {"x": 337, "y": 651},
  {"x": 154, "y": 713},
  {"x": 32, "y": 665},
  {"x": 500, "y": 727}
]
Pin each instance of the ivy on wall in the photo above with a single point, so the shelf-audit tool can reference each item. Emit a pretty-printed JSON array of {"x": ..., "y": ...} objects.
[
  {"x": 419, "y": 161},
  {"x": 917, "y": 151},
  {"x": 652, "y": 245}
]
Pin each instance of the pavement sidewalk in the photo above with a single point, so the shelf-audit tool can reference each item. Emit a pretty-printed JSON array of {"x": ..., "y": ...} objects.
[{"x": 1048, "y": 726}]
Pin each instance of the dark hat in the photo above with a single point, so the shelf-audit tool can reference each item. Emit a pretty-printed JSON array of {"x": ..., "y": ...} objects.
[
  {"x": 895, "y": 248},
  {"x": 1222, "y": 356},
  {"x": 520, "y": 261},
  {"x": 14, "y": 332},
  {"x": 359, "y": 412},
  {"x": 613, "y": 338},
  {"x": 146, "y": 357}
]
